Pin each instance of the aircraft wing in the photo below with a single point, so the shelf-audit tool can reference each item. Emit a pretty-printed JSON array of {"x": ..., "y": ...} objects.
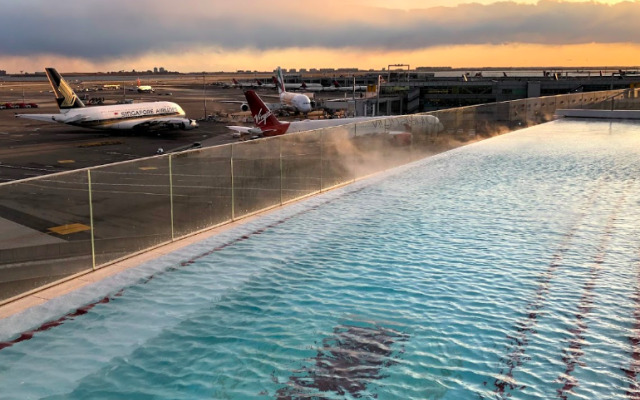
[
  {"x": 276, "y": 106},
  {"x": 54, "y": 117},
  {"x": 39, "y": 117},
  {"x": 245, "y": 107},
  {"x": 164, "y": 123},
  {"x": 239, "y": 131}
]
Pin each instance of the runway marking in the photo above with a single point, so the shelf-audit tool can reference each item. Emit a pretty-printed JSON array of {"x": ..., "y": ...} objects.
[
  {"x": 147, "y": 168},
  {"x": 102, "y": 143},
  {"x": 69, "y": 229},
  {"x": 66, "y": 161}
]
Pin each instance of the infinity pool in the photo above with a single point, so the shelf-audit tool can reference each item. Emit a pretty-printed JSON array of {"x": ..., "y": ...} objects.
[{"x": 506, "y": 268}]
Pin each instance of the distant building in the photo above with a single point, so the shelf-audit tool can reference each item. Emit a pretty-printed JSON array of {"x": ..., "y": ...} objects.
[
  {"x": 162, "y": 70},
  {"x": 422, "y": 69},
  {"x": 3, "y": 72},
  {"x": 155, "y": 70}
]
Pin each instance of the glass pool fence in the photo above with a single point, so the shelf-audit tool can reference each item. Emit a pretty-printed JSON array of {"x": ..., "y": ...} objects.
[{"x": 58, "y": 226}]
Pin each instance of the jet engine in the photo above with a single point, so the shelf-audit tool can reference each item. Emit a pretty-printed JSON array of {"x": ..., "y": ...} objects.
[
  {"x": 189, "y": 124},
  {"x": 244, "y": 107}
]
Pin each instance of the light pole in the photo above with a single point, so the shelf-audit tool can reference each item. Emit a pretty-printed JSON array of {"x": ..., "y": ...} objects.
[
  {"x": 396, "y": 65},
  {"x": 204, "y": 95}
]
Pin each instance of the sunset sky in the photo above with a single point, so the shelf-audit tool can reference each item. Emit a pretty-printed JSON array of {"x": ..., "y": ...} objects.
[{"x": 195, "y": 36}]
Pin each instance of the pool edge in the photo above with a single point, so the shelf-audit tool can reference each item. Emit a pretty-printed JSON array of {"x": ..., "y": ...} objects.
[{"x": 80, "y": 280}]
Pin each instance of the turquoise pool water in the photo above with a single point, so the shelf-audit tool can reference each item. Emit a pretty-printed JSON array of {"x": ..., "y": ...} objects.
[{"x": 505, "y": 269}]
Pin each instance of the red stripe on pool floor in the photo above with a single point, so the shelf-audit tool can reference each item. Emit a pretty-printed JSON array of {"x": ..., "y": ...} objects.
[
  {"x": 574, "y": 349},
  {"x": 85, "y": 309},
  {"x": 633, "y": 371},
  {"x": 518, "y": 342}
]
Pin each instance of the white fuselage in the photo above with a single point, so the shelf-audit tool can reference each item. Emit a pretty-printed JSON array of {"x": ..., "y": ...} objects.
[
  {"x": 299, "y": 101},
  {"x": 120, "y": 116},
  {"x": 311, "y": 124},
  {"x": 425, "y": 123},
  {"x": 351, "y": 88}
]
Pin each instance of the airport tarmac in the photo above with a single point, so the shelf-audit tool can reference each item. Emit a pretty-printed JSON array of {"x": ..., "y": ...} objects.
[{"x": 31, "y": 148}]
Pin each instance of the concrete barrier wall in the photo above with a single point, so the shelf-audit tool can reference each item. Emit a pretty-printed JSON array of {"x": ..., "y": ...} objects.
[{"x": 60, "y": 225}]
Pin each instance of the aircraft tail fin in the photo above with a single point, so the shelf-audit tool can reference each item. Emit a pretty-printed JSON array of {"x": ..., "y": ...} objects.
[
  {"x": 262, "y": 116},
  {"x": 280, "y": 81},
  {"x": 65, "y": 96}
]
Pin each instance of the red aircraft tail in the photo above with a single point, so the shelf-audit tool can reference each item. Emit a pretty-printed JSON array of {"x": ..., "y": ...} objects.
[{"x": 263, "y": 117}]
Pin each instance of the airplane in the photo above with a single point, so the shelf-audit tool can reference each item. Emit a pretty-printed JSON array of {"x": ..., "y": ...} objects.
[
  {"x": 268, "y": 125},
  {"x": 137, "y": 116},
  {"x": 237, "y": 84},
  {"x": 298, "y": 101},
  {"x": 316, "y": 87},
  {"x": 310, "y": 87},
  {"x": 356, "y": 88},
  {"x": 144, "y": 88}
]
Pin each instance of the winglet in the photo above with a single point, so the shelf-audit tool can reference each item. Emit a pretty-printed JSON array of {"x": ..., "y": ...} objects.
[{"x": 65, "y": 96}]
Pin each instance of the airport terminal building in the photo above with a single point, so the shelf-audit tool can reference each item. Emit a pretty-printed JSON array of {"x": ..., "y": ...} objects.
[{"x": 409, "y": 92}]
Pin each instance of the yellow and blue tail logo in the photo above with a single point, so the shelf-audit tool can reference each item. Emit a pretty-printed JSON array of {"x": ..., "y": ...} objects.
[{"x": 65, "y": 96}]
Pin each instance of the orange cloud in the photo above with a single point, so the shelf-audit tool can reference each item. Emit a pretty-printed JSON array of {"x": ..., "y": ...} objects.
[{"x": 470, "y": 56}]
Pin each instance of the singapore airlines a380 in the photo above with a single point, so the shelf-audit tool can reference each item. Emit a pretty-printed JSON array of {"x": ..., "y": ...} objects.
[{"x": 160, "y": 115}]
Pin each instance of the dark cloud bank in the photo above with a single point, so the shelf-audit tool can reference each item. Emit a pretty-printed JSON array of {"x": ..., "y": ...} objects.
[{"x": 96, "y": 30}]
